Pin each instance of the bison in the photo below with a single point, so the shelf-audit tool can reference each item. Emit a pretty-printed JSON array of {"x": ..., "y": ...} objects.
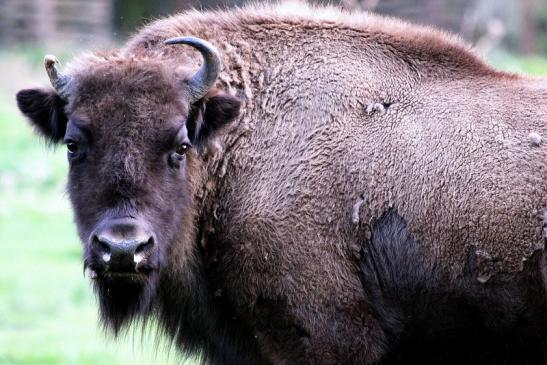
[{"x": 309, "y": 187}]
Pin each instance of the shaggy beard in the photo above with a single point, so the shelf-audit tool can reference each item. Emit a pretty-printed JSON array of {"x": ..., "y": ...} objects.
[{"x": 124, "y": 298}]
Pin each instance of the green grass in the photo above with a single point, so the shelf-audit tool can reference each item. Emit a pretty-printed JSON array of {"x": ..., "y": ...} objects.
[
  {"x": 47, "y": 311},
  {"x": 533, "y": 65}
]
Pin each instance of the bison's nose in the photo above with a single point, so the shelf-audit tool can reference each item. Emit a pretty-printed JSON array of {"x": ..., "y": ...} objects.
[{"x": 122, "y": 246}]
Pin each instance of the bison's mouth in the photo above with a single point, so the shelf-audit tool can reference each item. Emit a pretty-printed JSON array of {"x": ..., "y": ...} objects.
[
  {"x": 125, "y": 276},
  {"x": 97, "y": 274},
  {"x": 122, "y": 296}
]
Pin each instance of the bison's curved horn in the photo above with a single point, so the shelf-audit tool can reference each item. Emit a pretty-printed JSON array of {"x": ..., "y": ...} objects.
[
  {"x": 58, "y": 80},
  {"x": 205, "y": 77}
]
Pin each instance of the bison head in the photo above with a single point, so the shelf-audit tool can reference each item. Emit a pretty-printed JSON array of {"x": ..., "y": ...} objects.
[{"x": 134, "y": 128}]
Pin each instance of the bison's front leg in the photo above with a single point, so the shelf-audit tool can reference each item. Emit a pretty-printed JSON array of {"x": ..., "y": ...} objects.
[{"x": 302, "y": 310}]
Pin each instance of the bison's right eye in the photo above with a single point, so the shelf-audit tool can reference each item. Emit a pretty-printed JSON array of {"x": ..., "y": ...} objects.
[
  {"x": 72, "y": 147},
  {"x": 73, "y": 150}
]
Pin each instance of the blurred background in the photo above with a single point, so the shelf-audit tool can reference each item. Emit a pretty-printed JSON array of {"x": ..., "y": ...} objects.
[{"x": 47, "y": 311}]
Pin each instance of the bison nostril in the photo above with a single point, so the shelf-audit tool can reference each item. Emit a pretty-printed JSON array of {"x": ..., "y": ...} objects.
[
  {"x": 142, "y": 250},
  {"x": 145, "y": 246},
  {"x": 122, "y": 246},
  {"x": 105, "y": 252},
  {"x": 103, "y": 249}
]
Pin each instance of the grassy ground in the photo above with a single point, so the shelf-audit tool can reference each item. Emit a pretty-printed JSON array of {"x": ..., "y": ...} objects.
[{"x": 47, "y": 312}]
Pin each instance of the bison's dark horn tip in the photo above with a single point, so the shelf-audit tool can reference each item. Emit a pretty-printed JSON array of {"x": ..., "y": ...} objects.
[{"x": 206, "y": 76}]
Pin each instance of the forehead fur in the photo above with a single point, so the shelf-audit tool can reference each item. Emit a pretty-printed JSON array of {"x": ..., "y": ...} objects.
[{"x": 99, "y": 75}]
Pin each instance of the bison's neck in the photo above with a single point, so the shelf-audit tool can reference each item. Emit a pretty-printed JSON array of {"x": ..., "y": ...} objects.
[{"x": 199, "y": 322}]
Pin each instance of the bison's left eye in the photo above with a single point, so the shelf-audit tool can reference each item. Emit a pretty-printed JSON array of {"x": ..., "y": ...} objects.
[
  {"x": 182, "y": 148},
  {"x": 176, "y": 157}
]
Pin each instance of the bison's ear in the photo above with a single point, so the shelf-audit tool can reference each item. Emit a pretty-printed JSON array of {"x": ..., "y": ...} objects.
[
  {"x": 45, "y": 110},
  {"x": 211, "y": 113}
]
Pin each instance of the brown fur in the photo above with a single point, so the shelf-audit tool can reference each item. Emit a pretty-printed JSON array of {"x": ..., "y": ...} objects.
[
  {"x": 272, "y": 209},
  {"x": 368, "y": 58}
]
